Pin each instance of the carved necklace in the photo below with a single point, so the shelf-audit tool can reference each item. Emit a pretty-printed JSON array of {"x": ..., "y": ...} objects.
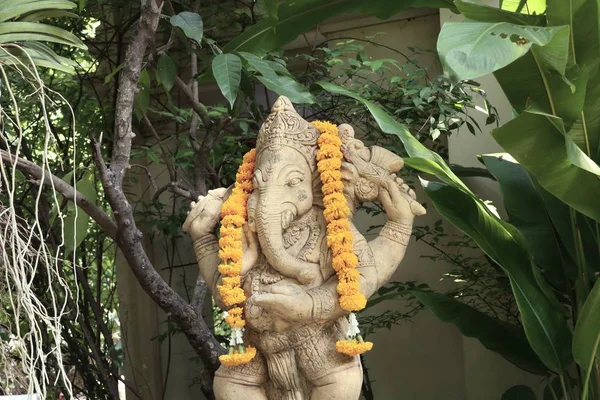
[{"x": 297, "y": 228}]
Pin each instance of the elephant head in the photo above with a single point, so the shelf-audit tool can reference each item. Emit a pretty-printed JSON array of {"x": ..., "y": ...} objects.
[{"x": 284, "y": 186}]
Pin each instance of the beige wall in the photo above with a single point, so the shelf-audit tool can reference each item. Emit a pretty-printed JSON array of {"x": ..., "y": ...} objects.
[{"x": 424, "y": 359}]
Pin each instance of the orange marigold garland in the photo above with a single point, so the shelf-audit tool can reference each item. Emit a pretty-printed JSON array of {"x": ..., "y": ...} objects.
[
  {"x": 233, "y": 218},
  {"x": 339, "y": 237}
]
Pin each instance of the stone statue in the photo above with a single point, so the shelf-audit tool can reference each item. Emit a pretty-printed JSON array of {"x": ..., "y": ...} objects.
[{"x": 292, "y": 311}]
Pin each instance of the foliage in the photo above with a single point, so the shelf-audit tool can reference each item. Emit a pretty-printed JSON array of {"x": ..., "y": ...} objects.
[
  {"x": 554, "y": 138},
  {"x": 185, "y": 146}
]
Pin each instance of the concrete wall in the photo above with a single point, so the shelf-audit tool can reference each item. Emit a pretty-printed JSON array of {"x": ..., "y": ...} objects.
[{"x": 424, "y": 359}]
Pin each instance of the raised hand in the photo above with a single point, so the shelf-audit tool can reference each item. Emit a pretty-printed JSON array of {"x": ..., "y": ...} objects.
[
  {"x": 204, "y": 213},
  {"x": 400, "y": 202}
]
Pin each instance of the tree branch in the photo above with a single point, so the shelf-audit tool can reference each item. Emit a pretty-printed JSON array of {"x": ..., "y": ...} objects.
[
  {"x": 62, "y": 187},
  {"x": 129, "y": 237}
]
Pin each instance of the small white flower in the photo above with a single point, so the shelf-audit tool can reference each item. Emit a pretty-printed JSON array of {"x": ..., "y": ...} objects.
[{"x": 353, "y": 329}]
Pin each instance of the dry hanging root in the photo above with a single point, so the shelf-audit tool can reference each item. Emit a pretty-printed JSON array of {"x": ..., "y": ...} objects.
[
  {"x": 233, "y": 218},
  {"x": 339, "y": 237}
]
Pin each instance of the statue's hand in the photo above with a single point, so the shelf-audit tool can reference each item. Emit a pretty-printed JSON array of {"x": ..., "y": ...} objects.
[
  {"x": 400, "y": 202},
  {"x": 204, "y": 214},
  {"x": 285, "y": 299},
  {"x": 250, "y": 249}
]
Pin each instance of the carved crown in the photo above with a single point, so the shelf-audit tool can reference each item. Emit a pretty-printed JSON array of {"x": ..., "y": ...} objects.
[{"x": 285, "y": 127}]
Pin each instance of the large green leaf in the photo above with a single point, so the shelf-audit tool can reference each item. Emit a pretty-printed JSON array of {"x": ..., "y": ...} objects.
[
  {"x": 227, "y": 69},
  {"x": 76, "y": 226},
  {"x": 469, "y": 50},
  {"x": 11, "y": 32},
  {"x": 527, "y": 212},
  {"x": 190, "y": 23},
  {"x": 498, "y": 336},
  {"x": 37, "y": 53},
  {"x": 586, "y": 339},
  {"x": 297, "y": 17},
  {"x": 289, "y": 87},
  {"x": 582, "y": 18},
  {"x": 167, "y": 71},
  {"x": 258, "y": 65},
  {"x": 482, "y": 13},
  {"x": 11, "y": 9},
  {"x": 525, "y": 83},
  {"x": 545, "y": 326},
  {"x": 538, "y": 141},
  {"x": 519, "y": 392}
]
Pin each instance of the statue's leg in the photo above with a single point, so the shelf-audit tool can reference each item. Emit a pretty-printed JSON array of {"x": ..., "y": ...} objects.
[
  {"x": 332, "y": 375},
  {"x": 343, "y": 383},
  {"x": 242, "y": 382}
]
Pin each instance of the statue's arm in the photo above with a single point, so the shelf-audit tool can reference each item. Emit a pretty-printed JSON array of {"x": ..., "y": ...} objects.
[
  {"x": 378, "y": 259},
  {"x": 206, "y": 248}
]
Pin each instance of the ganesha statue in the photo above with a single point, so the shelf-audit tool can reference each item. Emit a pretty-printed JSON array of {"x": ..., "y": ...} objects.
[{"x": 280, "y": 252}]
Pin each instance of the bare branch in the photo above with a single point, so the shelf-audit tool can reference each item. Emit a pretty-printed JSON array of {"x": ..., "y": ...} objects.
[
  {"x": 66, "y": 190},
  {"x": 129, "y": 237},
  {"x": 198, "y": 107}
]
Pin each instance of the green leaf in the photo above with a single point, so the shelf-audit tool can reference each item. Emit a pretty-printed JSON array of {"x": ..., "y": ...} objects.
[
  {"x": 498, "y": 336},
  {"x": 582, "y": 18},
  {"x": 227, "y": 69},
  {"x": 527, "y": 212},
  {"x": 519, "y": 392},
  {"x": 76, "y": 227},
  {"x": 586, "y": 338},
  {"x": 286, "y": 86},
  {"x": 481, "y": 13},
  {"x": 298, "y": 17},
  {"x": 543, "y": 152},
  {"x": 39, "y": 54},
  {"x": 546, "y": 329},
  {"x": 13, "y": 9},
  {"x": 167, "y": 71},
  {"x": 190, "y": 23},
  {"x": 272, "y": 8},
  {"x": 11, "y": 32},
  {"x": 469, "y": 50},
  {"x": 257, "y": 64},
  {"x": 524, "y": 85}
]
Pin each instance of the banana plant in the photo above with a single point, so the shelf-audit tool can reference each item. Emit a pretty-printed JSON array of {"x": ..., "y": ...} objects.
[
  {"x": 23, "y": 35},
  {"x": 547, "y": 64}
]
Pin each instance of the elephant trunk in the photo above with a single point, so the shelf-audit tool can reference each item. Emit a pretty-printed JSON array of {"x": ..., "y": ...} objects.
[{"x": 269, "y": 226}]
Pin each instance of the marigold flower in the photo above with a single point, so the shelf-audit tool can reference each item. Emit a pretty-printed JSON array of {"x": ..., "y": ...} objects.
[
  {"x": 332, "y": 187},
  {"x": 352, "y": 347},
  {"x": 344, "y": 261},
  {"x": 329, "y": 151},
  {"x": 238, "y": 358},
  {"x": 354, "y": 302},
  {"x": 233, "y": 221},
  {"x": 234, "y": 317},
  {"x": 331, "y": 176},
  {"x": 341, "y": 240},
  {"x": 231, "y": 269},
  {"x": 249, "y": 157},
  {"x": 231, "y": 296},
  {"x": 329, "y": 164},
  {"x": 231, "y": 281},
  {"x": 330, "y": 139},
  {"x": 332, "y": 214},
  {"x": 231, "y": 253}
]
